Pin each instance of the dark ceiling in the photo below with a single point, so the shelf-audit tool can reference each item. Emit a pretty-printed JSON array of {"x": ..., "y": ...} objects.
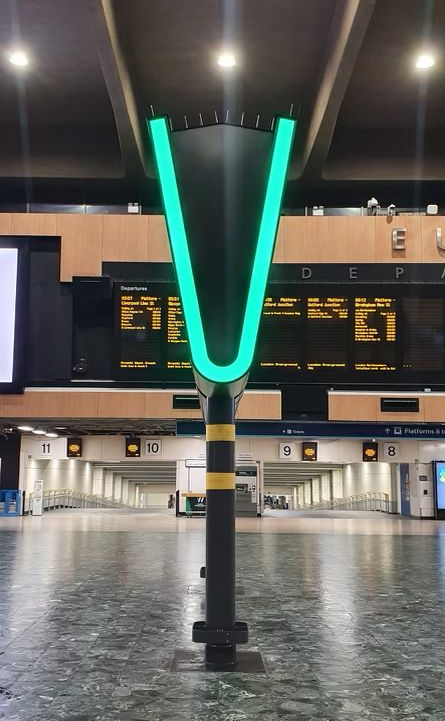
[{"x": 73, "y": 121}]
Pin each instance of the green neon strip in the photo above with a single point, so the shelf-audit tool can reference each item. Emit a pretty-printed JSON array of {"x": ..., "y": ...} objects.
[{"x": 283, "y": 138}]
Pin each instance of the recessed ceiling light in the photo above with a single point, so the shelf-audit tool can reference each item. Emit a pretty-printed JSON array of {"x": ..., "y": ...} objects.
[
  {"x": 51, "y": 435},
  {"x": 39, "y": 432},
  {"x": 18, "y": 57},
  {"x": 226, "y": 60},
  {"x": 25, "y": 428},
  {"x": 425, "y": 61}
]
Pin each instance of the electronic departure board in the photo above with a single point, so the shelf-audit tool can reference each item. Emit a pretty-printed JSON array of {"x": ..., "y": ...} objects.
[{"x": 308, "y": 333}]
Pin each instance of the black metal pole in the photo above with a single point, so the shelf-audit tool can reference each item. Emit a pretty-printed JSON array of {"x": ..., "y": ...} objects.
[
  {"x": 220, "y": 528},
  {"x": 220, "y": 632}
]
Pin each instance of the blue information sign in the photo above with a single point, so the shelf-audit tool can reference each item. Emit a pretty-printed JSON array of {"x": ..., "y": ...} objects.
[{"x": 281, "y": 429}]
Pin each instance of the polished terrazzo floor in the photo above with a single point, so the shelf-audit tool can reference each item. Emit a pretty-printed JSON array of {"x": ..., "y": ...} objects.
[{"x": 347, "y": 612}]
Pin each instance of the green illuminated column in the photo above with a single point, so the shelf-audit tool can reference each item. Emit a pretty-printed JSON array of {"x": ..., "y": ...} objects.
[{"x": 220, "y": 384}]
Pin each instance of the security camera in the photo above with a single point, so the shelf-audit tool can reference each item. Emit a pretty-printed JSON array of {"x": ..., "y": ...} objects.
[{"x": 373, "y": 206}]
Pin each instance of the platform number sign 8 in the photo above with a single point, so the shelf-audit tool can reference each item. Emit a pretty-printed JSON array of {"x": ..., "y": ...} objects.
[
  {"x": 153, "y": 447},
  {"x": 287, "y": 451},
  {"x": 391, "y": 452}
]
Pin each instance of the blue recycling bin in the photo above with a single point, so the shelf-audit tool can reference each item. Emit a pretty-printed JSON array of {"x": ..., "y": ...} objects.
[{"x": 10, "y": 502}]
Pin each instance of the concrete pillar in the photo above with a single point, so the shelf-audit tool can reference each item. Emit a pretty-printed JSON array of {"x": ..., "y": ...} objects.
[
  {"x": 295, "y": 499},
  {"x": 98, "y": 481},
  {"x": 109, "y": 484},
  {"x": 131, "y": 493},
  {"x": 337, "y": 482},
  {"x": 300, "y": 495},
  {"x": 315, "y": 490},
  {"x": 125, "y": 491},
  {"x": 326, "y": 487},
  {"x": 117, "y": 491}
]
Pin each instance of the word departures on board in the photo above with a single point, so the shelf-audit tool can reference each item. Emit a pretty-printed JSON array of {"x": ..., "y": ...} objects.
[
  {"x": 370, "y": 451},
  {"x": 74, "y": 447},
  {"x": 307, "y": 333}
]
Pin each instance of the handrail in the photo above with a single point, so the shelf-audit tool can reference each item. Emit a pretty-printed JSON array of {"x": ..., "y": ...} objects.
[
  {"x": 369, "y": 501},
  {"x": 68, "y": 498}
]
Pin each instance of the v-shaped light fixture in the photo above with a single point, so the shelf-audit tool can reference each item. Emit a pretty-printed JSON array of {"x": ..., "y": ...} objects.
[{"x": 282, "y": 145}]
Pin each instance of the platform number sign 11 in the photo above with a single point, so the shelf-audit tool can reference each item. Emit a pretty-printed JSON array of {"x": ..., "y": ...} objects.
[
  {"x": 153, "y": 447},
  {"x": 287, "y": 451}
]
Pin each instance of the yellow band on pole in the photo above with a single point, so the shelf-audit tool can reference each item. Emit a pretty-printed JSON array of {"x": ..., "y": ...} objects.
[
  {"x": 220, "y": 481},
  {"x": 220, "y": 432}
]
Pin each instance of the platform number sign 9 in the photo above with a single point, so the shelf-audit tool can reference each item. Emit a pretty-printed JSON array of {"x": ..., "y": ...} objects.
[
  {"x": 153, "y": 447},
  {"x": 287, "y": 451}
]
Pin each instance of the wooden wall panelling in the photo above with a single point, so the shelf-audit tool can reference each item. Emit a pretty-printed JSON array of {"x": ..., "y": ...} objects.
[
  {"x": 49, "y": 404},
  {"x": 430, "y": 252},
  {"x": 158, "y": 246},
  {"x": 82, "y": 246},
  {"x": 384, "y": 226},
  {"x": 351, "y": 239},
  {"x": 5, "y": 223},
  {"x": 125, "y": 238},
  {"x": 279, "y": 242},
  {"x": 259, "y": 405},
  {"x": 34, "y": 224},
  {"x": 121, "y": 405},
  {"x": 352, "y": 407},
  {"x": 305, "y": 239},
  {"x": 434, "y": 408}
]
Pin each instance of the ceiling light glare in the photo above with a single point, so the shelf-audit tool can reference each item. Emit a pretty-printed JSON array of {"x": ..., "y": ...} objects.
[
  {"x": 226, "y": 60},
  {"x": 26, "y": 428},
  {"x": 38, "y": 432},
  {"x": 19, "y": 58},
  {"x": 425, "y": 61},
  {"x": 52, "y": 435}
]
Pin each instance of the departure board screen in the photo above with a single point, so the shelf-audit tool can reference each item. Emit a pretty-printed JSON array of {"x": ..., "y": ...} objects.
[{"x": 311, "y": 333}]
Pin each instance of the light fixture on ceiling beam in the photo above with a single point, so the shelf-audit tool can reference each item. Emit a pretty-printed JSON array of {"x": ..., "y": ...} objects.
[
  {"x": 226, "y": 60},
  {"x": 18, "y": 58},
  {"x": 425, "y": 61}
]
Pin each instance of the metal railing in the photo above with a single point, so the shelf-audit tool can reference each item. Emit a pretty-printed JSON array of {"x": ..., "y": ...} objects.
[
  {"x": 370, "y": 501},
  {"x": 67, "y": 498}
]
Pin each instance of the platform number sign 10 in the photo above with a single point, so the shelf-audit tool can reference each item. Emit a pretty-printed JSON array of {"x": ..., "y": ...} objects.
[
  {"x": 153, "y": 447},
  {"x": 287, "y": 451}
]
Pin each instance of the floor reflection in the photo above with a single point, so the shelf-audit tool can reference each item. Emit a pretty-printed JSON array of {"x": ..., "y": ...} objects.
[{"x": 345, "y": 611}]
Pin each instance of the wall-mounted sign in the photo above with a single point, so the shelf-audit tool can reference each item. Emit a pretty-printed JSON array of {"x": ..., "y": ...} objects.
[
  {"x": 391, "y": 452},
  {"x": 132, "y": 447},
  {"x": 74, "y": 447},
  {"x": 153, "y": 447},
  {"x": 370, "y": 451},
  {"x": 287, "y": 451},
  {"x": 309, "y": 451}
]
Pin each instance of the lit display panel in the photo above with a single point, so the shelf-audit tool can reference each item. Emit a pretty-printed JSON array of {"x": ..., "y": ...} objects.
[
  {"x": 313, "y": 333},
  {"x": 8, "y": 295}
]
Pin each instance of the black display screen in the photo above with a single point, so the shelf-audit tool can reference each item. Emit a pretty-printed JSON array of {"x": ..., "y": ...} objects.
[{"x": 311, "y": 333}]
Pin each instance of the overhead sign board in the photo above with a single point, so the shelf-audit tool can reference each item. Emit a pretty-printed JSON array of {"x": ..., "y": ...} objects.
[{"x": 413, "y": 431}]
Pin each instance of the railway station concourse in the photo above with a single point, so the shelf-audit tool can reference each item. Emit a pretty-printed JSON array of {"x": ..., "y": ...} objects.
[{"x": 222, "y": 360}]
